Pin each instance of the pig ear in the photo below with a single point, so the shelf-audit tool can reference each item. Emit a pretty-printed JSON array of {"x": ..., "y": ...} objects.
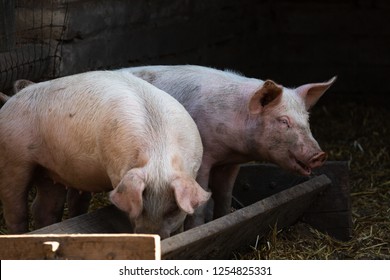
[
  {"x": 312, "y": 92},
  {"x": 4, "y": 98},
  {"x": 21, "y": 84},
  {"x": 127, "y": 196},
  {"x": 189, "y": 194},
  {"x": 268, "y": 94}
]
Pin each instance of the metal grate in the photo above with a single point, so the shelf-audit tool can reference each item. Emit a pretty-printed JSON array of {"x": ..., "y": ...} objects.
[{"x": 31, "y": 33}]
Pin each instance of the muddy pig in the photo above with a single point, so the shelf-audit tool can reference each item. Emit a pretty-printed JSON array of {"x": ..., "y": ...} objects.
[
  {"x": 102, "y": 131},
  {"x": 241, "y": 119}
]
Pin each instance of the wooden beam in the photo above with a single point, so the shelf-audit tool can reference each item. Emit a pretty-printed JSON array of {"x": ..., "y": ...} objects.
[
  {"x": 331, "y": 212},
  {"x": 80, "y": 247},
  {"x": 258, "y": 181},
  {"x": 105, "y": 220},
  {"x": 217, "y": 239}
]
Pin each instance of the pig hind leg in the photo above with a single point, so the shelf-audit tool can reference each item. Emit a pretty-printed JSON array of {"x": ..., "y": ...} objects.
[
  {"x": 48, "y": 204},
  {"x": 14, "y": 188}
]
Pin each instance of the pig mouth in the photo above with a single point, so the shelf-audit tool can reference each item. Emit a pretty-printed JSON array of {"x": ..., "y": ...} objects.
[
  {"x": 299, "y": 166},
  {"x": 303, "y": 167}
]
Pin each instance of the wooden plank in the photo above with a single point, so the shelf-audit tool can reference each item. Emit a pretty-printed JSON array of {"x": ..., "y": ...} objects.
[
  {"x": 105, "y": 220},
  {"x": 339, "y": 191},
  {"x": 332, "y": 210},
  {"x": 217, "y": 239},
  {"x": 80, "y": 247},
  {"x": 258, "y": 181}
]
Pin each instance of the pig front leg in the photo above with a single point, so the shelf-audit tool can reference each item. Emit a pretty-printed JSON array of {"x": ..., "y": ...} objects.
[
  {"x": 48, "y": 204},
  {"x": 222, "y": 183},
  {"x": 78, "y": 202}
]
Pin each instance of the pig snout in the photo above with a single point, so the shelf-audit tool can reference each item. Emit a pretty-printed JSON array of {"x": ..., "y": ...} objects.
[
  {"x": 304, "y": 165},
  {"x": 317, "y": 160}
]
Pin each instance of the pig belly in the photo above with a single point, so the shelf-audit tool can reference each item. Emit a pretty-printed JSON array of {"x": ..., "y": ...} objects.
[
  {"x": 83, "y": 175},
  {"x": 69, "y": 154}
]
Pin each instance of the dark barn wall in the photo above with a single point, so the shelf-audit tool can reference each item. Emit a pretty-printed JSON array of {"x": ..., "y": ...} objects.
[
  {"x": 105, "y": 34},
  {"x": 292, "y": 42},
  {"x": 302, "y": 41}
]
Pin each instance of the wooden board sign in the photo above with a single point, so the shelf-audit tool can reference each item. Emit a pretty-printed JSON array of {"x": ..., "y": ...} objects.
[{"x": 80, "y": 247}]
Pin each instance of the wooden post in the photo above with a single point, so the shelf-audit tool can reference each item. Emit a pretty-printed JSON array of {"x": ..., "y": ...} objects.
[
  {"x": 104, "y": 220},
  {"x": 331, "y": 212}
]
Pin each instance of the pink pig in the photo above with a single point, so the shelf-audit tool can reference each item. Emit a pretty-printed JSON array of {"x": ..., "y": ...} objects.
[
  {"x": 95, "y": 132},
  {"x": 240, "y": 120}
]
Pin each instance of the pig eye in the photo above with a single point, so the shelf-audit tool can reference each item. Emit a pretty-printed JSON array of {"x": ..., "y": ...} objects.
[{"x": 285, "y": 121}]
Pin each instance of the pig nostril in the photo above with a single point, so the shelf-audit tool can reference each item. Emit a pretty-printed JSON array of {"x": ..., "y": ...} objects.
[
  {"x": 322, "y": 157},
  {"x": 318, "y": 158}
]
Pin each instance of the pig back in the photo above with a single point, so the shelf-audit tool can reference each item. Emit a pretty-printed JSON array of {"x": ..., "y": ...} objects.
[{"x": 102, "y": 120}]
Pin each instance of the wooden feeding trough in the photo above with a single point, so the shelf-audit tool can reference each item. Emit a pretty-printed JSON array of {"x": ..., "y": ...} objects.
[{"x": 264, "y": 196}]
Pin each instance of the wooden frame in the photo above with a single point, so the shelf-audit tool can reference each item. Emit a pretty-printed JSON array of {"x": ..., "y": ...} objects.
[{"x": 265, "y": 196}]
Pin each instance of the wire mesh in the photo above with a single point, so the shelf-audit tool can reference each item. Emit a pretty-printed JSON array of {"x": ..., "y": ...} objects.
[{"x": 31, "y": 33}]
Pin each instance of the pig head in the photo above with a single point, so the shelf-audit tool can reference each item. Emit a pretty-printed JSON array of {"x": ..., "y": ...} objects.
[
  {"x": 137, "y": 196},
  {"x": 279, "y": 122}
]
